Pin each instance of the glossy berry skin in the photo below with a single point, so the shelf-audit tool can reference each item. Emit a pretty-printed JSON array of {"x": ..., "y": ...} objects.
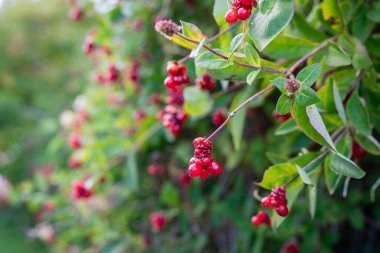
[
  {"x": 176, "y": 75},
  {"x": 79, "y": 191},
  {"x": 248, "y": 2},
  {"x": 261, "y": 218},
  {"x": 158, "y": 221},
  {"x": 75, "y": 142},
  {"x": 173, "y": 119},
  {"x": 266, "y": 202},
  {"x": 243, "y": 13},
  {"x": 282, "y": 210},
  {"x": 206, "y": 82},
  {"x": 216, "y": 169},
  {"x": 231, "y": 16}
]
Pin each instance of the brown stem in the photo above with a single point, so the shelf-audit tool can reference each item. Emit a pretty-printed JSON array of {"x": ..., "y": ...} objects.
[
  {"x": 270, "y": 70},
  {"x": 306, "y": 57},
  {"x": 237, "y": 109}
]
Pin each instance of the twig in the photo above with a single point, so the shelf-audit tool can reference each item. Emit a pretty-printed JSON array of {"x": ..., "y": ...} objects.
[
  {"x": 270, "y": 70},
  {"x": 237, "y": 109},
  {"x": 345, "y": 188},
  {"x": 216, "y": 36},
  {"x": 373, "y": 189}
]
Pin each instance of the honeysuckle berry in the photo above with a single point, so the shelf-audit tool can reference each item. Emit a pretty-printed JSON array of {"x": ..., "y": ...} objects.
[
  {"x": 240, "y": 10},
  {"x": 172, "y": 118},
  {"x": 166, "y": 28},
  {"x": 281, "y": 118},
  {"x": 291, "y": 247},
  {"x": 206, "y": 82},
  {"x": 158, "y": 221},
  {"x": 156, "y": 170},
  {"x": 277, "y": 199},
  {"x": 357, "y": 152},
  {"x": 176, "y": 75},
  {"x": 76, "y": 14},
  {"x": 74, "y": 163},
  {"x": 175, "y": 97},
  {"x": 185, "y": 180},
  {"x": 75, "y": 142},
  {"x": 202, "y": 163},
  {"x": 80, "y": 191},
  {"x": 112, "y": 74},
  {"x": 218, "y": 117},
  {"x": 261, "y": 218},
  {"x": 89, "y": 44}
]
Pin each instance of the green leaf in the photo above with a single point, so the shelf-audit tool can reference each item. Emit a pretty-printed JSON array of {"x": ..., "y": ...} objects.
[
  {"x": 252, "y": 55},
  {"x": 197, "y": 101},
  {"x": 131, "y": 177},
  {"x": 169, "y": 194},
  {"x": 339, "y": 104},
  {"x": 333, "y": 15},
  {"x": 307, "y": 29},
  {"x": 183, "y": 43},
  {"x": 276, "y": 158},
  {"x": 280, "y": 84},
  {"x": 287, "y": 127},
  {"x": 209, "y": 60},
  {"x": 236, "y": 42},
  {"x": 313, "y": 194},
  {"x": 331, "y": 178},
  {"x": 266, "y": 5},
  {"x": 283, "y": 105},
  {"x": 309, "y": 75},
  {"x": 252, "y": 76},
  {"x": 344, "y": 166},
  {"x": 304, "y": 123},
  {"x": 288, "y": 47},
  {"x": 238, "y": 122},
  {"x": 278, "y": 174},
  {"x": 263, "y": 28},
  {"x": 336, "y": 56},
  {"x": 374, "y": 12},
  {"x": 304, "y": 176},
  {"x": 307, "y": 96},
  {"x": 191, "y": 31},
  {"x": 318, "y": 124},
  {"x": 368, "y": 143},
  {"x": 362, "y": 26},
  {"x": 220, "y": 10},
  {"x": 358, "y": 115}
]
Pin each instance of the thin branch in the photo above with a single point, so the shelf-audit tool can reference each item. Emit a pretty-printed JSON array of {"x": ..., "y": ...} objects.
[
  {"x": 373, "y": 189},
  {"x": 345, "y": 188},
  {"x": 228, "y": 90},
  {"x": 270, "y": 70},
  {"x": 237, "y": 109},
  {"x": 216, "y": 36}
]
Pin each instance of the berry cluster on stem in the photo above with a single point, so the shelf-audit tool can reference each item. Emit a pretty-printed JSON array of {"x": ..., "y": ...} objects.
[
  {"x": 241, "y": 9},
  {"x": 277, "y": 199},
  {"x": 206, "y": 82},
  {"x": 202, "y": 164},
  {"x": 261, "y": 218}
]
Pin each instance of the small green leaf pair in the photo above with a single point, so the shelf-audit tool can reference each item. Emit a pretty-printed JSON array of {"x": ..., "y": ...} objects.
[{"x": 305, "y": 96}]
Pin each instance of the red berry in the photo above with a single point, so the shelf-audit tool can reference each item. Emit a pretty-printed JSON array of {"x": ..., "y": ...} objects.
[
  {"x": 266, "y": 202},
  {"x": 185, "y": 180},
  {"x": 357, "y": 151},
  {"x": 158, "y": 221},
  {"x": 260, "y": 218},
  {"x": 80, "y": 191},
  {"x": 156, "y": 170},
  {"x": 169, "y": 82},
  {"x": 248, "y": 3},
  {"x": 243, "y": 13},
  {"x": 218, "y": 117},
  {"x": 75, "y": 142},
  {"x": 291, "y": 247},
  {"x": 205, "y": 172},
  {"x": 74, "y": 163},
  {"x": 216, "y": 169},
  {"x": 231, "y": 16},
  {"x": 172, "y": 68},
  {"x": 76, "y": 14},
  {"x": 282, "y": 210},
  {"x": 194, "y": 170}
]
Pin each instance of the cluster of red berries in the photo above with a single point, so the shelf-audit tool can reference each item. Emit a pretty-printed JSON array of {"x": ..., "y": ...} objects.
[
  {"x": 111, "y": 76},
  {"x": 173, "y": 118},
  {"x": 177, "y": 75},
  {"x": 261, "y": 218},
  {"x": 206, "y": 82},
  {"x": 202, "y": 164},
  {"x": 158, "y": 221},
  {"x": 357, "y": 151},
  {"x": 241, "y": 9},
  {"x": 75, "y": 142},
  {"x": 80, "y": 191},
  {"x": 218, "y": 117},
  {"x": 277, "y": 199}
]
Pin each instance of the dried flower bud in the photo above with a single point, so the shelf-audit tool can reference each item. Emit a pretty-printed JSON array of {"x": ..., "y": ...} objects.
[
  {"x": 292, "y": 86},
  {"x": 167, "y": 28}
]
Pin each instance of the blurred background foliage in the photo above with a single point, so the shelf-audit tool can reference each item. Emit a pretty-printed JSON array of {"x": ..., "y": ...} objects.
[{"x": 42, "y": 72}]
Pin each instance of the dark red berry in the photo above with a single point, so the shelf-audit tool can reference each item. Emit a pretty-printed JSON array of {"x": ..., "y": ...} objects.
[
  {"x": 218, "y": 117},
  {"x": 172, "y": 68},
  {"x": 216, "y": 169},
  {"x": 231, "y": 16},
  {"x": 158, "y": 221},
  {"x": 357, "y": 151},
  {"x": 75, "y": 142},
  {"x": 261, "y": 218},
  {"x": 291, "y": 247},
  {"x": 194, "y": 170},
  {"x": 266, "y": 202},
  {"x": 282, "y": 210},
  {"x": 248, "y": 3},
  {"x": 80, "y": 191}
]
